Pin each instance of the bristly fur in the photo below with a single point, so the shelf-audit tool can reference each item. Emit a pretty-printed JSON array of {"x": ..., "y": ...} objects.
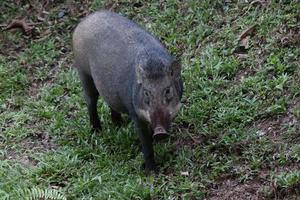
[{"x": 155, "y": 62}]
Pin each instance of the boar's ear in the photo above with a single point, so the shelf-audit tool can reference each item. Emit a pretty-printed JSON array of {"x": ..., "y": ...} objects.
[
  {"x": 175, "y": 67},
  {"x": 140, "y": 74}
]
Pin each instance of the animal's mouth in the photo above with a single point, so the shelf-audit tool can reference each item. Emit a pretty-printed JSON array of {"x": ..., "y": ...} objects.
[{"x": 160, "y": 133}]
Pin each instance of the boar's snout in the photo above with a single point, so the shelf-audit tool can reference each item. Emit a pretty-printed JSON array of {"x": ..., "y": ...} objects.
[
  {"x": 160, "y": 133},
  {"x": 160, "y": 122}
]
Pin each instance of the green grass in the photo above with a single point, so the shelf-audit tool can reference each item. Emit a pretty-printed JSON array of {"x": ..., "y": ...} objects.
[{"x": 239, "y": 122}]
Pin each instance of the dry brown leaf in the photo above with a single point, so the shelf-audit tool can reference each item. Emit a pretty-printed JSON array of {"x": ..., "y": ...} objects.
[
  {"x": 244, "y": 37},
  {"x": 263, "y": 3},
  {"x": 26, "y": 28},
  {"x": 248, "y": 32},
  {"x": 44, "y": 35},
  {"x": 40, "y": 18},
  {"x": 245, "y": 42}
]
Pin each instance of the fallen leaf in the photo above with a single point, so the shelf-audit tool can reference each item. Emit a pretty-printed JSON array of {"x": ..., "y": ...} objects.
[
  {"x": 44, "y": 35},
  {"x": 46, "y": 4},
  {"x": 245, "y": 42},
  {"x": 184, "y": 173},
  {"x": 244, "y": 39},
  {"x": 27, "y": 29},
  {"x": 242, "y": 56},
  {"x": 41, "y": 16},
  {"x": 260, "y": 133},
  {"x": 263, "y": 3},
  {"x": 248, "y": 32}
]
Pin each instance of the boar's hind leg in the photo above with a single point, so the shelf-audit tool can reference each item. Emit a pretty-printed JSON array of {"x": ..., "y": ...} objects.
[
  {"x": 147, "y": 147},
  {"x": 116, "y": 117},
  {"x": 91, "y": 96}
]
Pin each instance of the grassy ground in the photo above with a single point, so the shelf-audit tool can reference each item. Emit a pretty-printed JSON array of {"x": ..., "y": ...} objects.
[{"x": 237, "y": 136}]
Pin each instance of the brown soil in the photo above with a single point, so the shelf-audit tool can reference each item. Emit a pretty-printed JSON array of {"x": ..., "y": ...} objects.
[
  {"x": 243, "y": 73},
  {"x": 231, "y": 189},
  {"x": 275, "y": 127},
  {"x": 23, "y": 155}
]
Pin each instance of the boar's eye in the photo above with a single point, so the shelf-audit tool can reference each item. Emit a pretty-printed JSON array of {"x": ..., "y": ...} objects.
[
  {"x": 168, "y": 94},
  {"x": 167, "y": 91},
  {"x": 146, "y": 95},
  {"x": 172, "y": 73}
]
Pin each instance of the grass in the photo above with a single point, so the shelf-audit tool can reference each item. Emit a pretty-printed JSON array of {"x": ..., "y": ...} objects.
[{"x": 237, "y": 134}]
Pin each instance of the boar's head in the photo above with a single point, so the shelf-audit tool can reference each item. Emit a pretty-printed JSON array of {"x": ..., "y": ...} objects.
[{"x": 158, "y": 93}]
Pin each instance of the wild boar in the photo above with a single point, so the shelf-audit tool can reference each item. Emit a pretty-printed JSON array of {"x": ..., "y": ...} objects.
[{"x": 132, "y": 71}]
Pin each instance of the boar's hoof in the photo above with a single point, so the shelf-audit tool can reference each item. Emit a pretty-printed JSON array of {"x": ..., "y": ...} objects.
[
  {"x": 96, "y": 129},
  {"x": 150, "y": 169}
]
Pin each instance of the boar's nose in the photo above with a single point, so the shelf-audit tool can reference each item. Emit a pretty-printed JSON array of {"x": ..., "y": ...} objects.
[{"x": 160, "y": 133}]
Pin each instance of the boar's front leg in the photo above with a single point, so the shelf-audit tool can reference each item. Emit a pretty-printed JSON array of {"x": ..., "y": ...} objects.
[
  {"x": 116, "y": 117},
  {"x": 147, "y": 147},
  {"x": 91, "y": 96}
]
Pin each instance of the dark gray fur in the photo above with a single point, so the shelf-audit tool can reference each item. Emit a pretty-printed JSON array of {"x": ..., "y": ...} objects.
[{"x": 118, "y": 60}]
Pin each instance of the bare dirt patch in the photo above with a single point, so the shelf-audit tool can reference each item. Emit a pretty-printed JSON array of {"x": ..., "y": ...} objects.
[
  {"x": 274, "y": 127},
  {"x": 262, "y": 186},
  {"x": 259, "y": 188},
  {"x": 288, "y": 36},
  {"x": 231, "y": 189},
  {"x": 243, "y": 73},
  {"x": 276, "y": 191},
  {"x": 27, "y": 147}
]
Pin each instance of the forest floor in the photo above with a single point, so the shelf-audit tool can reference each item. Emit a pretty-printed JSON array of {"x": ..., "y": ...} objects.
[{"x": 236, "y": 137}]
